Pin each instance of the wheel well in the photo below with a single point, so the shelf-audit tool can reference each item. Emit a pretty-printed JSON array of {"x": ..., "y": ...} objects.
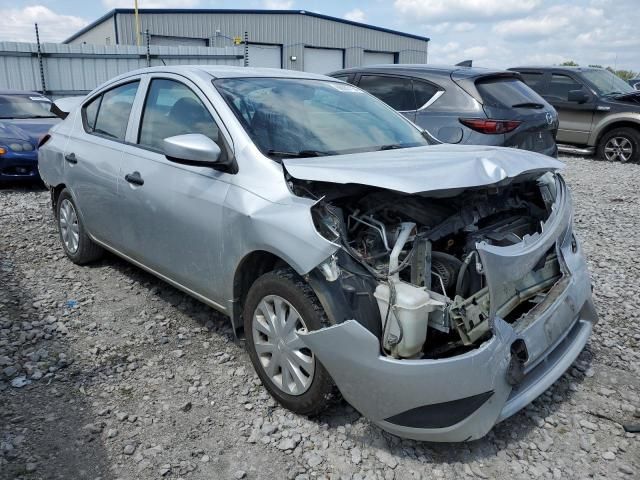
[
  {"x": 55, "y": 194},
  {"x": 615, "y": 125},
  {"x": 250, "y": 268}
]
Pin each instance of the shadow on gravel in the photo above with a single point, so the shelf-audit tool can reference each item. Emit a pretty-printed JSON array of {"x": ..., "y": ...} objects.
[{"x": 47, "y": 428}]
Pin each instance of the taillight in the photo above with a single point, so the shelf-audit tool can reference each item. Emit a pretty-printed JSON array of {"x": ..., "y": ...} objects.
[
  {"x": 490, "y": 127},
  {"x": 44, "y": 139}
]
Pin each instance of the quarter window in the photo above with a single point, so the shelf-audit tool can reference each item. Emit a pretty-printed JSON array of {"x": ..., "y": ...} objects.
[
  {"x": 561, "y": 85},
  {"x": 171, "y": 108},
  {"x": 394, "y": 91},
  {"x": 108, "y": 114},
  {"x": 423, "y": 92}
]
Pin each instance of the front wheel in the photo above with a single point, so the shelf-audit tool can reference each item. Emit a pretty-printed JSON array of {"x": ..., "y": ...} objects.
[
  {"x": 280, "y": 305},
  {"x": 620, "y": 145}
]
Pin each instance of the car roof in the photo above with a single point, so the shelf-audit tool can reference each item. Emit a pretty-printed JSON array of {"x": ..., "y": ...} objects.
[
  {"x": 423, "y": 69},
  {"x": 555, "y": 67},
  {"x": 226, "y": 71}
]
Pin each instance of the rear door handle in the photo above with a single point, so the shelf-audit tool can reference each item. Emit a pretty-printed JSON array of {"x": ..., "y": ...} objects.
[
  {"x": 134, "y": 178},
  {"x": 71, "y": 158}
]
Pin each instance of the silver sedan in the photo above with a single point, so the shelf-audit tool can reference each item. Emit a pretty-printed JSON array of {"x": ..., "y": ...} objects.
[{"x": 438, "y": 288}]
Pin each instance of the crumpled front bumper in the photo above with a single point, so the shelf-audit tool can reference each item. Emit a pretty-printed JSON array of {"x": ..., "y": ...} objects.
[{"x": 462, "y": 397}]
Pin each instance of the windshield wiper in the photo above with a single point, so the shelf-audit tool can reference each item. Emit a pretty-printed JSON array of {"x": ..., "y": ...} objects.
[
  {"x": 527, "y": 105},
  {"x": 300, "y": 154},
  {"x": 391, "y": 146}
]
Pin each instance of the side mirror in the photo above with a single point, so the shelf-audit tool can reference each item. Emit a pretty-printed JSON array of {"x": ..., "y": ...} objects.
[
  {"x": 193, "y": 149},
  {"x": 577, "y": 96}
]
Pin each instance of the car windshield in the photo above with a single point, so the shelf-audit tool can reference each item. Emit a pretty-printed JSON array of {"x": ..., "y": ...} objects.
[
  {"x": 607, "y": 83},
  {"x": 312, "y": 118},
  {"x": 25, "y": 106}
]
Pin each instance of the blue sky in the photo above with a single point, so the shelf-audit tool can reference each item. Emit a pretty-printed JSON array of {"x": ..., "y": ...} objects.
[{"x": 494, "y": 33}]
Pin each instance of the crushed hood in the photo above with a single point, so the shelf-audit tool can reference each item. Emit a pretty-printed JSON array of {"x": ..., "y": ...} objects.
[{"x": 421, "y": 169}]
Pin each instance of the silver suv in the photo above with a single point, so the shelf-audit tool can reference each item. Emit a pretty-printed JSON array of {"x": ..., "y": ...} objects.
[{"x": 439, "y": 288}]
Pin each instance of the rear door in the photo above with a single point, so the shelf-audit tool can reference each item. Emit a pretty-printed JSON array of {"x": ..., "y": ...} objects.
[
  {"x": 509, "y": 98},
  {"x": 172, "y": 213},
  {"x": 93, "y": 159},
  {"x": 576, "y": 119}
]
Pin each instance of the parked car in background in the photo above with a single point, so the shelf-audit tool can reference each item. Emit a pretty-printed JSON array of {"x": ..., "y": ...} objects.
[
  {"x": 24, "y": 118},
  {"x": 439, "y": 287},
  {"x": 466, "y": 105},
  {"x": 599, "y": 112},
  {"x": 635, "y": 83}
]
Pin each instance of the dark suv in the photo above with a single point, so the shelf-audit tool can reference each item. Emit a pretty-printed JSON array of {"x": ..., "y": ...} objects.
[
  {"x": 599, "y": 112},
  {"x": 463, "y": 104}
]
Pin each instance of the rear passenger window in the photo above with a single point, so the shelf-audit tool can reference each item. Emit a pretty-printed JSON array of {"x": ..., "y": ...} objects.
[
  {"x": 395, "y": 92},
  {"x": 423, "y": 92},
  {"x": 171, "y": 108},
  {"x": 560, "y": 86},
  {"x": 108, "y": 114}
]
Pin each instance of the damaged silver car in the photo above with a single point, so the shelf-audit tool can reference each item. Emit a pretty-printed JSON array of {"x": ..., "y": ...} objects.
[{"x": 438, "y": 288}]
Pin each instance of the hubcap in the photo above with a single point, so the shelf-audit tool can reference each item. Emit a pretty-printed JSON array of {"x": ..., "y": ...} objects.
[
  {"x": 618, "y": 148},
  {"x": 69, "y": 226},
  {"x": 284, "y": 358}
]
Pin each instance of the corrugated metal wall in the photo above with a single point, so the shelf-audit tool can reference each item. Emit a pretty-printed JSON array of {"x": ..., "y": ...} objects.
[
  {"x": 76, "y": 69},
  {"x": 292, "y": 31}
]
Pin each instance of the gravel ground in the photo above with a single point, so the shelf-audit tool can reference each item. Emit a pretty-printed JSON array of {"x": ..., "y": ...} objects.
[{"x": 107, "y": 372}]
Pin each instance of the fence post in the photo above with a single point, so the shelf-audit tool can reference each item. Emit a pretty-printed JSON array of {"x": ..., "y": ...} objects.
[
  {"x": 246, "y": 49},
  {"x": 146, "y": 34},
  {"x": 42, "y": 80}
]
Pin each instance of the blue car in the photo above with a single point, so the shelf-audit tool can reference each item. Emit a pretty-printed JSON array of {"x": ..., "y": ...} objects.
[{"x": 25, "y": 117}]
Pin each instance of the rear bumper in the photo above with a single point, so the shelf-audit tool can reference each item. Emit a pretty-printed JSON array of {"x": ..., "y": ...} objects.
[{"x": 19, "y": 167}]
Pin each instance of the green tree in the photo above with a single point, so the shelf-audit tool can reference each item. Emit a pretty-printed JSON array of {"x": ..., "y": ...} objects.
[
  {"x": 623, "y": 74},
  {"x": 569, "y": 63}
]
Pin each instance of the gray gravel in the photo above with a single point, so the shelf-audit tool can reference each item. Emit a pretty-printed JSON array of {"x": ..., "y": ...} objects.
[{"x": 107, "y": 372}]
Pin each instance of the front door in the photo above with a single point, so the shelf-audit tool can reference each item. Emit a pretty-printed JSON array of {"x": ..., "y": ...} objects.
[
  {"x": 92, "y": 161},
  {"x": 172, "y": 212},
  {"x": 575, "y": 118}
]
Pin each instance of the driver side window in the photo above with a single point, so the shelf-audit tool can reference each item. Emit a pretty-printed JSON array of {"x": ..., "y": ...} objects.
[
  {"x": 171, "y": 108},
  {"x": 560, "y": 86}
]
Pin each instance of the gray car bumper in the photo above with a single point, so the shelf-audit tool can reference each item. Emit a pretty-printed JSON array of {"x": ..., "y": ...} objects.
[{"x": 424, "y": 399}]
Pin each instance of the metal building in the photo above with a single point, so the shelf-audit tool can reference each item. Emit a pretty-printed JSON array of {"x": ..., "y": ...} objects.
[{"x": 293, "y": 39}]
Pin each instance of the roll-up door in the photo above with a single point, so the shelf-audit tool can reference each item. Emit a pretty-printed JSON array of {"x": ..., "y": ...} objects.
[
  {"x": 323, "y": 60},
  {"x": 177, "y": 41},
  {"x": 265, "y": 56},
  {"x": 378, "y": 58}
]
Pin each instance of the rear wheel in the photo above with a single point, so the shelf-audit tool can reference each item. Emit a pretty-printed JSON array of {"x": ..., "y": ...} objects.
[
  {"x": 75, "y": 241},
  {"x": 620, "y": 145},
  {"x": 280, "y": 305}
]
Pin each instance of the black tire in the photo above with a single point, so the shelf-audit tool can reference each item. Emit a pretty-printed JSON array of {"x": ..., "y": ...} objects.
[
  {"x": 87, "y": 251},
  {"x": 291, "y": 287},
  {"x": 630, "y": 135}
]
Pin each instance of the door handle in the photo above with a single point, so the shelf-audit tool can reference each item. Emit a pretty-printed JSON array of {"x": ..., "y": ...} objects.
[
  {"x": 134, "y": 178},
  {"x": 71, "y": 158}
]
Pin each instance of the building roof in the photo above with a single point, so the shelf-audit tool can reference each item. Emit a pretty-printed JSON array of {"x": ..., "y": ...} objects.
[{"x": 222, "y": 11}]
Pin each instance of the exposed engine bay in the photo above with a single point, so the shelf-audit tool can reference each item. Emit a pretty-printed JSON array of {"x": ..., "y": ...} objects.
[{"x": 411, "y": 261}]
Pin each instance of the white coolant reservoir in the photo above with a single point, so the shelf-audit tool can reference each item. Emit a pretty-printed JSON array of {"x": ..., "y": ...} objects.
[{"x": 409, "y": 315}]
